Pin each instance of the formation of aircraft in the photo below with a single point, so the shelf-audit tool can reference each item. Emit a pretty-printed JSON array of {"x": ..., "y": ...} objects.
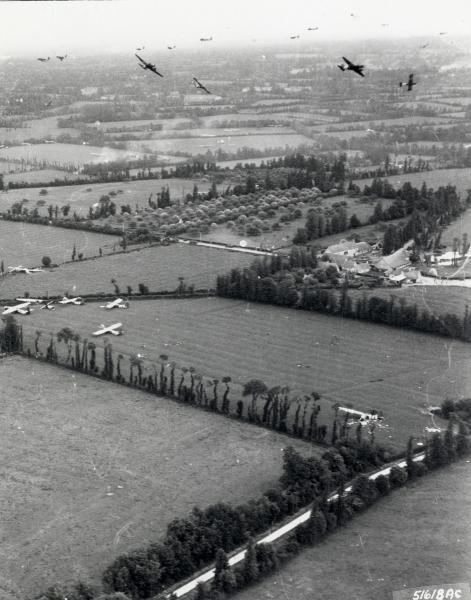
[
  {"x": 21, "y": 269},
  {"x": 23, "y": 309},
  {"x": 114, "y": 329},
  {"x": 199, "y": 86},
  {"x": 118, "y": 303},
  {"x": 61, "y": 58},
  {"x": 349, "y": 66},
  {"x": 409, "y": 83},
  {"x": 78, "y": 301},
  {"x": 147, "y": 65}
]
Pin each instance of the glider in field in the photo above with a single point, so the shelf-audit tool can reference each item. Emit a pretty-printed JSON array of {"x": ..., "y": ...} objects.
[
  {"x": 20, "y": 269},
  {"x": 48, "y": 305},
  {"x": 199, "y": 86},
  {"x": 113, "y": 329},
  {"x": 409, "y": 83},
  {"x": 22, "y": 309},
  {"x": 349, "y": 66},
  {"x": 147, "y": 65},
  {"x": 78, "y": 301},
  {"x": 118, "y": 303}
]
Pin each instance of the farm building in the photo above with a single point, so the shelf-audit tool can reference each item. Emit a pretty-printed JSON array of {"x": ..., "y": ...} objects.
[{"x": 349, "y": 248}]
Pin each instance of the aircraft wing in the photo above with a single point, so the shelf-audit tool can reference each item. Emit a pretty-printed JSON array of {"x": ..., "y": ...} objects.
[
  {"x": 141, "y": 59},
  {"x": 154, "y": 70},
  {"x": 22, "y": 311},
  {"x": 99, "y": 332},
  {"x": 349, "y": 63}
]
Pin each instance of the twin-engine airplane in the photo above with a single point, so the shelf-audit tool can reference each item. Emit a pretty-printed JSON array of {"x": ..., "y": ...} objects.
[
  {"x": 118, "y": 303},
  {"x": 199, "y": 86},
  {"x": 349, "y": 66},
  {"x": 113, "y": 329},
  {"x": 147, "y": 65},
  {"x": 20, "y": 269},
  {"x": 77, "y": 300},
  {"x": 409, "y": 83},
  {"x": 22, "y": 309}
]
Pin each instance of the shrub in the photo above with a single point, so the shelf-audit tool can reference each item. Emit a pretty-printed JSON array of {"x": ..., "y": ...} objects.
[
  {"x": 46, "y": 261},
  {"x": 382, "y": 485},
  {"x": 397, "y": 477}
]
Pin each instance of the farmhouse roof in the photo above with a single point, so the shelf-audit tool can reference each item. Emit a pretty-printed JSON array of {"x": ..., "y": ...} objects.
[
  {"x": 393, "y": 261},
  {"x": 344, "y": 246}
]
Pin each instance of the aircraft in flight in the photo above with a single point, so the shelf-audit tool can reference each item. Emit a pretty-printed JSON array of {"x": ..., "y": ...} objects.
[
  {"x": 21, "y": 269},
  {"x": 147, "y": 65},
  {"x": 171, "y": 47},
  {"x": 141, "y": 48},
  {"x": 312, "y": 28},
  {"x": 118, "y": 303},
  {"x": 44, "y": 59},
  {"x": 61, "y": 58},
  {"x": 23, "y": 309},
  {"x": 78, "y": 301},
  {"x": 409, "y": 83},
  {"x": 210, "y": 39},
  {"x": 113, "y": 329},
  {"x": 351, "y": 67},
  {"x": 48, "y": 103},
  {"x": 199, "y": 86},
  {"x": 294, "y": 37}
]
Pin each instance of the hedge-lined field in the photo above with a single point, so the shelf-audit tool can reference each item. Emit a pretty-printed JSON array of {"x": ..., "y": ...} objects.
[{"x": 91, "y": 470}]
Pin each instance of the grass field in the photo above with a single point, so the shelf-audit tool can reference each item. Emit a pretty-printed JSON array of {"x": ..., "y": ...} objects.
[
  {"x": 458, "y": 227},
  {"x": 66, "y": 153},
  {"x": 25, "y": 244},
  {"x": 92, "y": 469},
  {"x": 461, "y": 178},
  {"x": 418, "y": 536},
  {"x": 226, "y": 142},
  {"x": 43, "y": 176},
  {"x": 159, "y": 268},
  {"x": 81, "y": 197},
  {"x": 37, "y": 129},
  {"x": 370, "y": 366}
]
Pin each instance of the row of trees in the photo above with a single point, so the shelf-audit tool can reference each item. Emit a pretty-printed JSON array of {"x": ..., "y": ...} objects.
[{"x": 262, "y": 282}]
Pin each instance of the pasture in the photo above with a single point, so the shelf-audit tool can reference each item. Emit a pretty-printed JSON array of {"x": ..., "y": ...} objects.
[
  {"x": 42, "y": 176},
  {"x": 418, "y": 536},
  {"x": 76, "y": 488},
  {"x": 66, "y": 154},
  {"x": 81, "y": 197},
  {"x": 370, "y": 366},
  {"x": 228, "y": 143},
  {"x": 461, "y": 178},
  {"x": 159, "y": 268},
  {"x": 25, "y": 244}
]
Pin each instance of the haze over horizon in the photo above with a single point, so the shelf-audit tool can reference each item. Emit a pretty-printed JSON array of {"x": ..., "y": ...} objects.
[{"x": 85, "y": 27}]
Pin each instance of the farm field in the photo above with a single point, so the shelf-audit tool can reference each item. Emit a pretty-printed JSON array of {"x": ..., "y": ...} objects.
[
  {"x": 76, "y": 488},
  {"x": 36, "y": 129},
  {"x": 25, "y": 244},
  {"x": 380, "y": 552},
  {"x": 41, "y": 176},
  {"x": 159, "y": 268},
  {"x": 359, "y": 125},
  {"x": 370, "y": 366},
  {"x": 461, "y": 225},
  {"x": 74, "y": 154},
  {"x": 461, "y": 178},
  {"x": 230, "y": 143},
  {"x": 209, "y": 132},
  {"x": 81, "y": 197}
]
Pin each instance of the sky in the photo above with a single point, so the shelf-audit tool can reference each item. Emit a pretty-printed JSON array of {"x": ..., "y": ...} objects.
[{"x": 81, "y": 27}]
